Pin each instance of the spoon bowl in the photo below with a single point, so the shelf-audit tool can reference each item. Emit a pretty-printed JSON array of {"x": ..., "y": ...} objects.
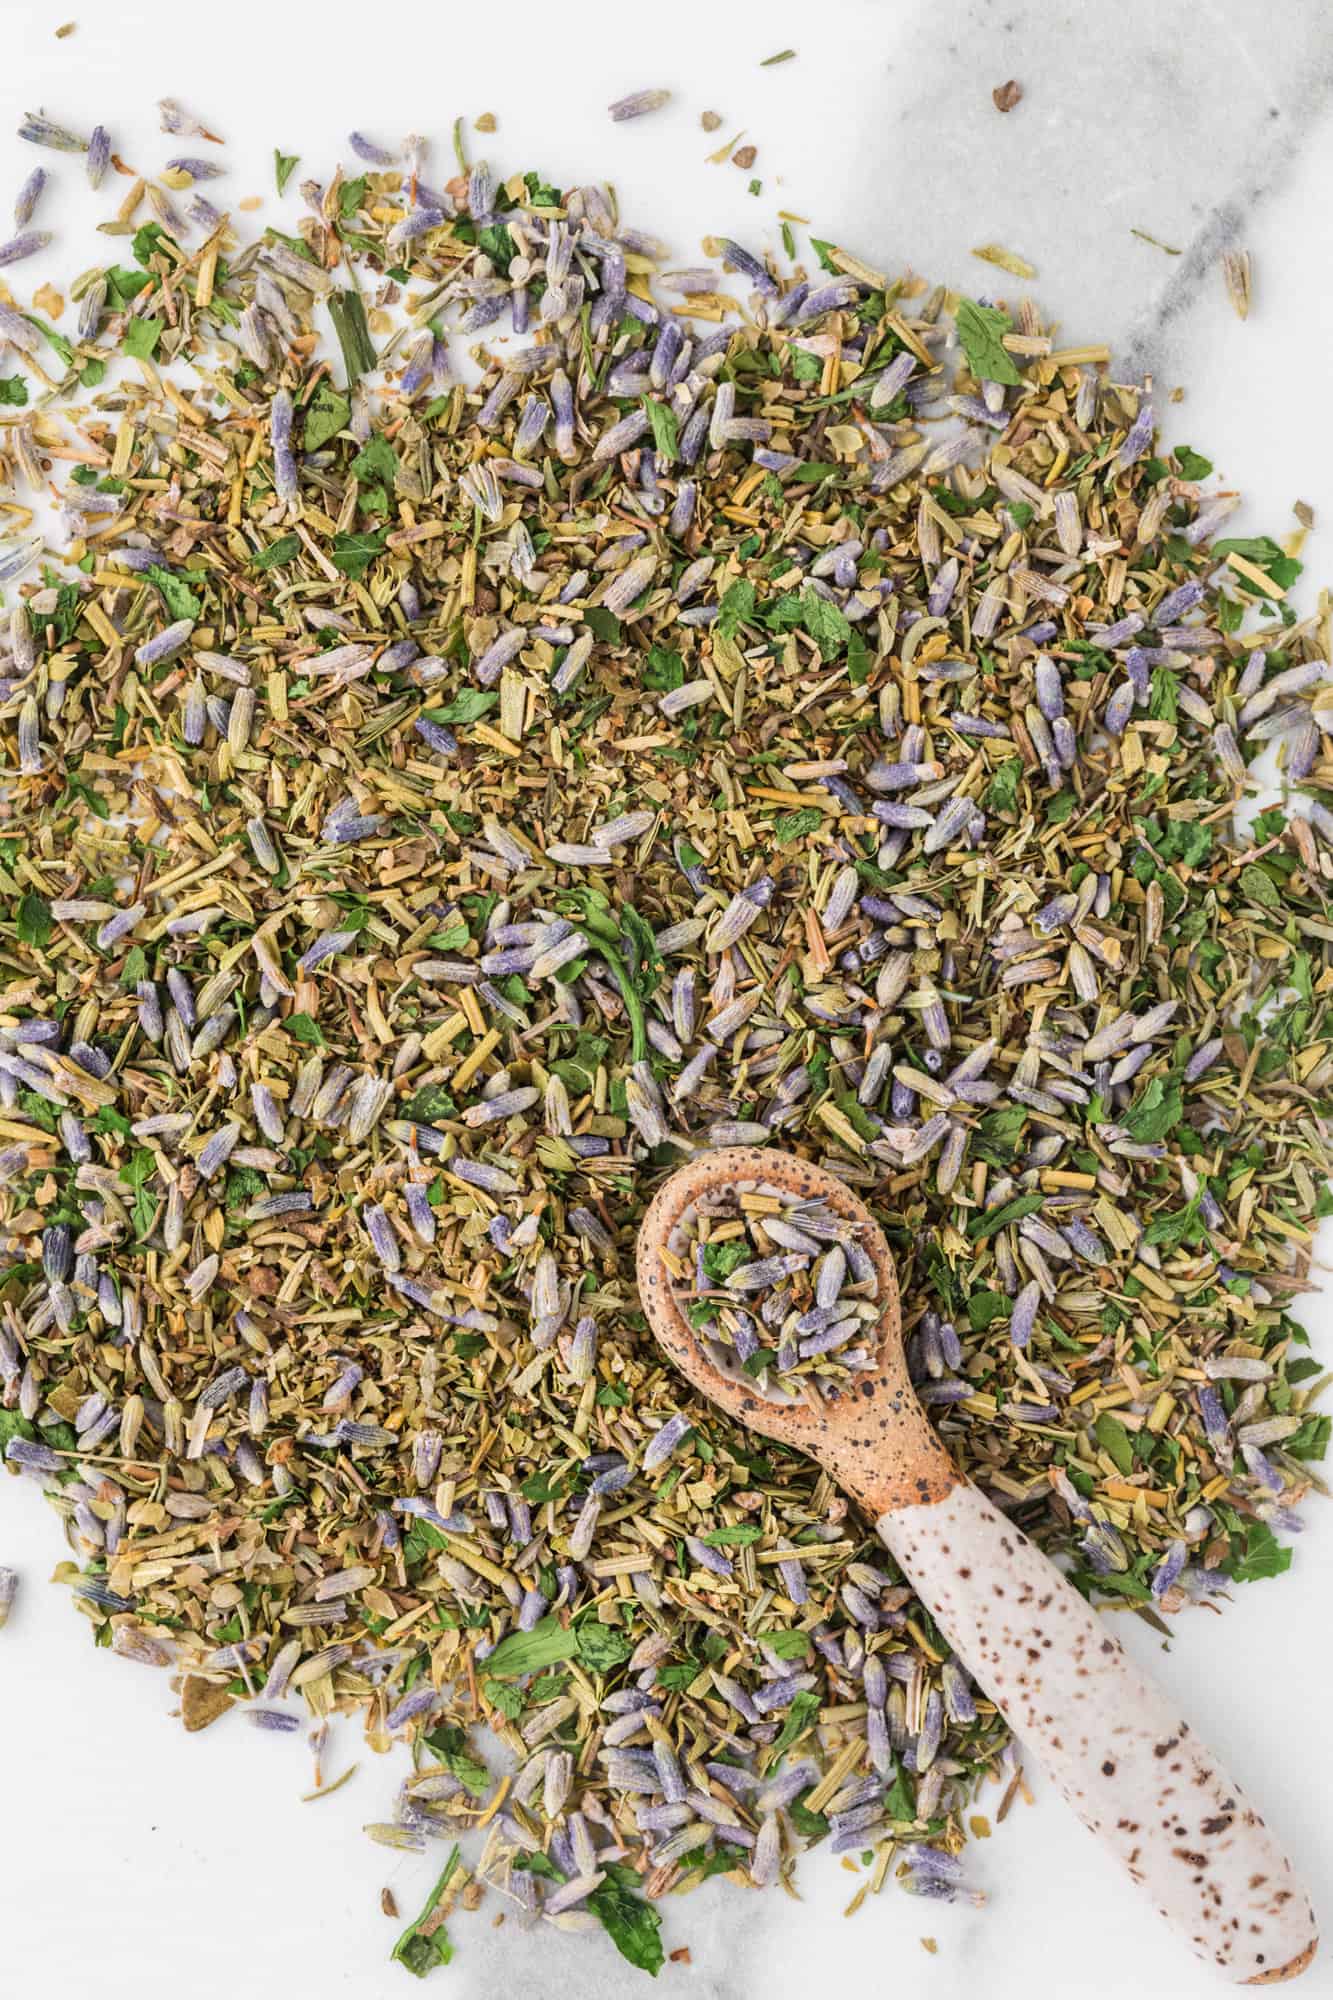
[{"x": 869, "y": 1430}]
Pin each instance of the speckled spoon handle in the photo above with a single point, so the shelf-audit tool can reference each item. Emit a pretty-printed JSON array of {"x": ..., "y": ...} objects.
[{"x": 1128, "y": 1765}]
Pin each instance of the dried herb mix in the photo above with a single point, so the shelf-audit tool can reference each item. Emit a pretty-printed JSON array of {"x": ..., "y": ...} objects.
[{"x": 434, "y": 808}]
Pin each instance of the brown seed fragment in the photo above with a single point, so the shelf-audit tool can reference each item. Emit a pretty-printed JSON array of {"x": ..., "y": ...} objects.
[{"x": 202, "y": 1702}]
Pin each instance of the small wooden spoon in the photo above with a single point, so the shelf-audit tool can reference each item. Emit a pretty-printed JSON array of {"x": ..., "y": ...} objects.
[{"x": 1131, "y": 1768}]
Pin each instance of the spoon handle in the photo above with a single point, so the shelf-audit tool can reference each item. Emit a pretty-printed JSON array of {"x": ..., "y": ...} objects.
[{"x": 1113, "y": 1743}]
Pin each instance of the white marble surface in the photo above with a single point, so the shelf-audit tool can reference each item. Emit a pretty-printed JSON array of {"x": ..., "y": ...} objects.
[{"x": 135, "y": 1860}]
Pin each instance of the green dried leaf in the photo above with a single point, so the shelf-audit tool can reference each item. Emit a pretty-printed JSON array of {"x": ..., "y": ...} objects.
[
  {"x": 1264, "y": 553},
  {"x": 788, "y": 1645},
  {"x": 1256, "y": 1553},
  {"x": 1115, "y": 1441},
  {"x": 509, "y": 1701},
  {"x": 425, "y": 1943},
  {"x": 55, "y": 341},
  {"x": 353, "y": 554},
  {"x": 33, "y": 920},
  {"x": 663, "y": 670},
  {"x": 995, "y": 1219},
  {"x": 177, "y": 595},
  {"x": 527, "y": 1652},
  {"x": 494, "y": 238},
  {"x": 138, "y": 1170},
  {"x": 284, "y": 550},
  {"x": 244, "y": 1185},
  {"x": 981, "y": 330},
  {"x": 376, "y": 460},
  {"x": 662, "y": 418},
  {"x": 601, "y": 1647},
  {"x": 326, "y": 414},
  {"x": 825, "y": 623},
  {"x": 468, "y": 706},
  {"x": 1191, "y": 464},
  {"x": 124, "y": 283},
  {"x": 811, "y": 1826},
  {"x": 148, "y": 241},
  {"x": 721, "y": 1259},
  {"x": 450, "y": 1745},
  {"x": 1155, "y": 1113},
  {"x": 305, "y": 1030},
  {"x": 633, "y": 1925},
  {"x": 800, "y": 1717},
  {"x": 1259, "y": 886},
  {"x": 141, "y": 338},
  {"x": 735, "y": 609}
]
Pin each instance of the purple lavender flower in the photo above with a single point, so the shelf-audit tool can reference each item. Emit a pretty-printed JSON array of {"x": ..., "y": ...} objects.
[
  {"x": 638, "y": 104},
  {"x": 367, "y": 150},
  {"x": 666, "y": 1442},
  {"x": 1138, "y": 437},
  {"x": 750, "y": 267},
  {"x": 1168, "y": 1571},
  {"x": 99, "y": 156},
  {"x": 31, "y": 1456},
  {"x": 216, "y": 1151},
  {"x": 1024, "y": 1315},
  {"x": 40, "y": 131},
  {"x": 1203, "y": 1058},
  {"x": 1177, "y": 602},
  {"x": 280, "y": 437},
  {"x": 27, "y": 199},
  {"x": 25, "y": 245}
]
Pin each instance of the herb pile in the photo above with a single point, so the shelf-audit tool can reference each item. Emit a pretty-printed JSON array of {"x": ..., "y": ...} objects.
[{"x": 435, "y": 808}]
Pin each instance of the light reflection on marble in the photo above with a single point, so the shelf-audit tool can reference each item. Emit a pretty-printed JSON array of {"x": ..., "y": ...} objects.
[{"x": 142, "y": 1862}]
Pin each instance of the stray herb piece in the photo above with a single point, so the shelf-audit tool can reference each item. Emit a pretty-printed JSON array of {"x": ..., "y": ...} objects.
[
  {"x": 632, "y": 1924},
  {"x": 981, "y": 329},
  {"x": 141, "y": 338},
  {"x": 1236, "y": 274},
  {"x": 425, "y": 1943}
]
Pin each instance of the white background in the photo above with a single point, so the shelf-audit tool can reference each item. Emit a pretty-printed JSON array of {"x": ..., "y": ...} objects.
[{"x": 136, "y": 1860}]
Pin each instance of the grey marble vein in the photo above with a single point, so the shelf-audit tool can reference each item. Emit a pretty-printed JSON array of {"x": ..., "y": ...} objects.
[{"x": 1179, "y": 120}]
